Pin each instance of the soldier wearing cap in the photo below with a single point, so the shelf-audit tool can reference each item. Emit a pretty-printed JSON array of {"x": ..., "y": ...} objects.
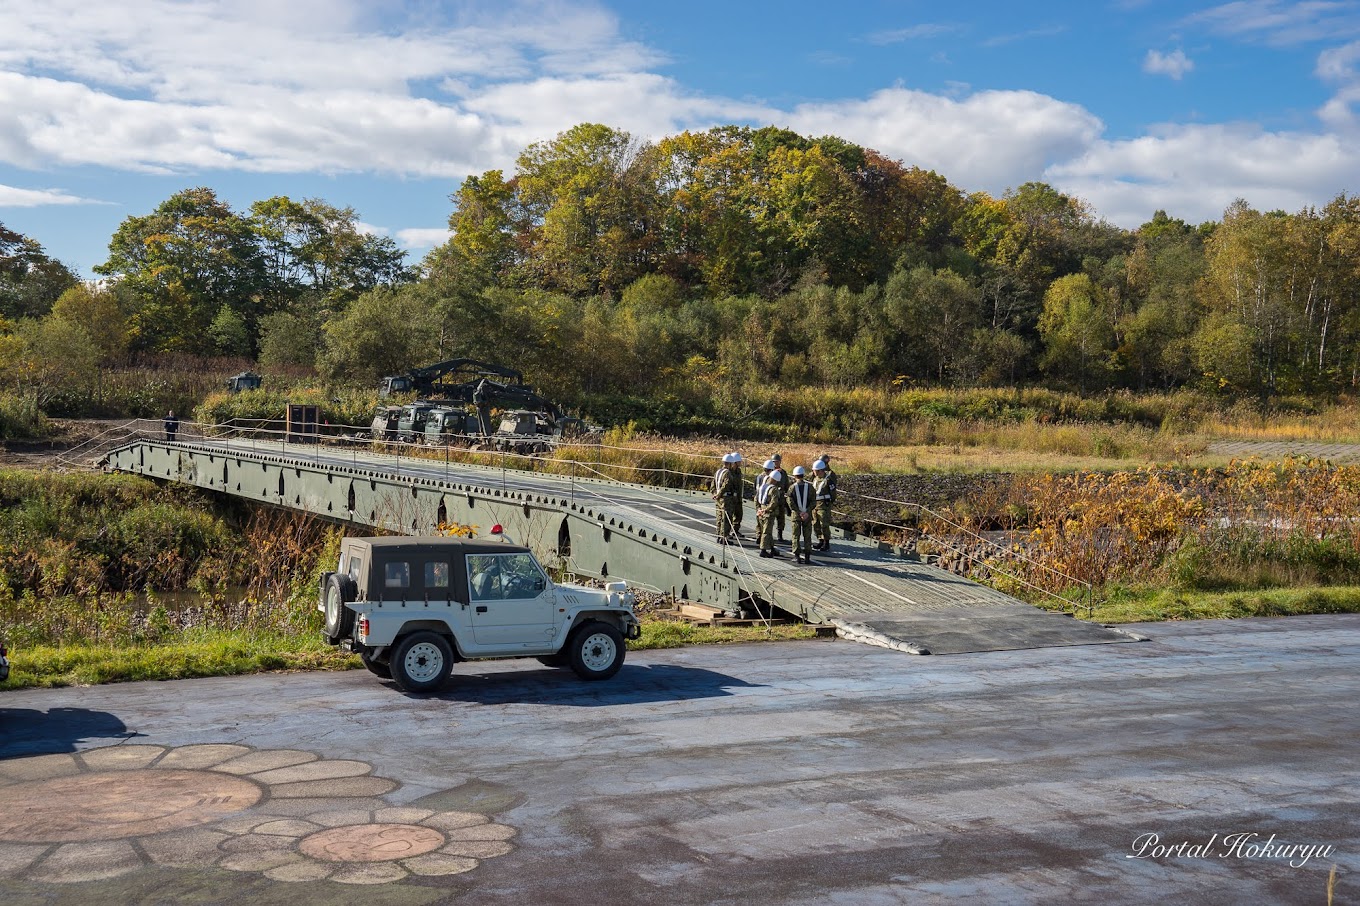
[
  {"x": 802, "y": 501},
  {"x": 769, "y": 502},
  {"x": 824, "y": 483},
  {"x": 727, "y": 496},
  {"x": 783, "y": 494}
]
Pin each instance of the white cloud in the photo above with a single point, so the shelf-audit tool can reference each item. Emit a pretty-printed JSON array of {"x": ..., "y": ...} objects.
[
  {"x": 1281, "y": 22},
  {"x": 12, "y": 197},
  {"x": 911, "y": 33},
  {"x": 1175, "y": 64},
  {"x": 990, "y": 139},
  {"x": 397, "y": 89},
  {"x": 423, "y": 237},
  {"x": 1194, "y": 172}
]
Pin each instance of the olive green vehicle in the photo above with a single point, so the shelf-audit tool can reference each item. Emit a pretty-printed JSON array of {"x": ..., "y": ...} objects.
[{"x": 412, "y": 607}]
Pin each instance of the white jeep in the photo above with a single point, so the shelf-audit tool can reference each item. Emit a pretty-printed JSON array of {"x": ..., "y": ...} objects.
[{"x": 411, "y": 607}]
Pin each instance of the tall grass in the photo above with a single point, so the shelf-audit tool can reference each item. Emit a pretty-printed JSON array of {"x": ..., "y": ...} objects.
[
  {"x": 85, "y": 558},
  {"x": 1251, "y": 525},
  {"x": 21, "y": 418}
]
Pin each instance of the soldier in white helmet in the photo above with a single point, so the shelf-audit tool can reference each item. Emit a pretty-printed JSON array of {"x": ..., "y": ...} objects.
[
  {"x": 824, "y": 483},
  {"x": 783, "y": 475},
  {"x": 727, "y": 495},
  {"x": 769, "y": 502},
  {"x": 802, "y": 501},
  {"x": 738, "y": 502}
]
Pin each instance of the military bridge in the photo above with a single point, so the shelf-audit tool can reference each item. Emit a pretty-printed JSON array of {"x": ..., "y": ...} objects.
[{"x": 657, "y": 539}]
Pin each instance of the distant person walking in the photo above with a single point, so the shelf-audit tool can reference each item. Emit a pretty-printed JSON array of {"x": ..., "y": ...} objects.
[{"x": 171, "y": 425}]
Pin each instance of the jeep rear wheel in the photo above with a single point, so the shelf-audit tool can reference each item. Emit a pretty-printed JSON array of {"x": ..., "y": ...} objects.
[
  {"x": 339, "y": 591},
  {"x": 377, "y": 668},
  {"x": 595, "y": 651},
  {"x": 421, "y": 662}
]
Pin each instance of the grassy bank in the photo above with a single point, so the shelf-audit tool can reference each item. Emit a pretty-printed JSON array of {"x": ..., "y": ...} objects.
[
  {"x": 217, "y": 652},
  {"x": 1154, "y": 605},
  {"x": 206, "y": 652}
]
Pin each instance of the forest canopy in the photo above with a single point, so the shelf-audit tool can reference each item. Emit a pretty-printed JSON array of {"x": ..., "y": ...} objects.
[{"x": 708, "y": 262}]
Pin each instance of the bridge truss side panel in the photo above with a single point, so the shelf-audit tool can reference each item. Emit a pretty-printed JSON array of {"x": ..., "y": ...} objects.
[{"x": 581, "y": 540}]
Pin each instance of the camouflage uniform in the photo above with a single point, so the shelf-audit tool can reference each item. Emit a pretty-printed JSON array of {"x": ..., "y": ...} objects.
[
  {"x": 769, "y": 506},
  {"x": 802, "y": 500},
  {"x": 727, "y": 498},
  {"x": 824, "y": 483},
  {"x": 783, "y": 494}
]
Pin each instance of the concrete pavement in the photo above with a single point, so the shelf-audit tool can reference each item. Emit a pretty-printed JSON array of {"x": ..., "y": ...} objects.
[{"x": 783, "y": 773}]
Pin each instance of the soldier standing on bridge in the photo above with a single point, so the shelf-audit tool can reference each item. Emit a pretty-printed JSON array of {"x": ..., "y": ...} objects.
[
  {"x": 739, "y": 501},
  {"x": 171, "y": 425},
  {"x": 824, "y": 483},
  {"x": 783, "y": 495},
  {"x": 727, "y": 496},
  {"x": 802, "y": 500},
  {"x": 769, "y": 502}
]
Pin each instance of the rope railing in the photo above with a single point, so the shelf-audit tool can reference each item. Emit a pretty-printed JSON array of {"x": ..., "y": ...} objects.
[
  {"x": 1003, "y": 552},
  {"x": 962, "y": 529}
]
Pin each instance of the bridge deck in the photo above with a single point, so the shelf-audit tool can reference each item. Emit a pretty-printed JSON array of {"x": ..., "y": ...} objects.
[{"x": 870, "y": 591}]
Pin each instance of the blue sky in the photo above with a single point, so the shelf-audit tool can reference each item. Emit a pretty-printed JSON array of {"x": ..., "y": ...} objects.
[{"x": 384, "y": 105}]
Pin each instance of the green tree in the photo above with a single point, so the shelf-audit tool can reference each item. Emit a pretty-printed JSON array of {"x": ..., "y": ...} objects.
[
  {"x": 95, "y": 311},
  {"x": 588, "y": 203},
  {"x": 44, "y": 358},
  {"x": 382, "y": 332},
  {"x": 181, "y": 264},
  {"x": 1076, "y": 330},
  {"x": 229, "y": 334},
  {"x": 932, "y": 315},
  {"x": 292, "y": 337},
  {"x": 30, "y": 281},
  {"x": 311, "y": 249}
]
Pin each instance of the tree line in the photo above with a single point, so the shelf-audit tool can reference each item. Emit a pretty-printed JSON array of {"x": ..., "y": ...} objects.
[{"x": 712, "y": 261}]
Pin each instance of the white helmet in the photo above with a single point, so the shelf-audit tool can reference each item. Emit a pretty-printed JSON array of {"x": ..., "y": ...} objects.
[
  {"x": 769, "y": 464},
  {"x": 819, "y": 466},
  {"x": 799, "y": 471},
  {"x": 736, "y": 457},
  {"x": 727, "y": 458}
]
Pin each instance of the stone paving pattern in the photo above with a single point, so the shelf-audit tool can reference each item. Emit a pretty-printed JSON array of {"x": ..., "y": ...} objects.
[{"x": 780, "y": 773}]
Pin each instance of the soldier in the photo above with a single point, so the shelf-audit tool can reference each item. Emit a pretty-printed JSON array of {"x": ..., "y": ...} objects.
[
  {"x": 171, "y": 425},
  {"x": 802, "y": 500},
  {"x": 739, "y": 500},
  {"x": 783, "y": 493},
  {"x": 726, "y": 487},
  {"x": 769, "y": 501},
  {"x": 824, "y": 483}
]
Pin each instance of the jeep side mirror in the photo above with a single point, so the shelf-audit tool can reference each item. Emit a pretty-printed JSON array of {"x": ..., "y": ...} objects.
[{"x": 539, "y": 584}]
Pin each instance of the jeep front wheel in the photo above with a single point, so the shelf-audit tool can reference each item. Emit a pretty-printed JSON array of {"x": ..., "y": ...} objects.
[
  {"x": 421, "y": 662},
  {"x": 595, "y": 651}
]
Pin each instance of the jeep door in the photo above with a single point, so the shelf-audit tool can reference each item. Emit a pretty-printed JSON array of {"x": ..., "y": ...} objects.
[{"x": 511, "y": 601}]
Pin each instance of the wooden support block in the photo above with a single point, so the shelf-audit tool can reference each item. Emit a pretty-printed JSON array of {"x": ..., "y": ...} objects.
[{"x": 699, "y": 611}]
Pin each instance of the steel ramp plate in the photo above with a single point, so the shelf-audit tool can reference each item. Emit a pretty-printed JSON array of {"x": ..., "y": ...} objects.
[{"x": 970, "y": 629}]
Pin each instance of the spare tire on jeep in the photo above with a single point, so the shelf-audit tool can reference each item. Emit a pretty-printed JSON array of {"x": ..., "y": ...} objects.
[{"x": 337, "y": 591}]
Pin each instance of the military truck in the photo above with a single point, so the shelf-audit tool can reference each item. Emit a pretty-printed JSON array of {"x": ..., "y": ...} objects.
[
  {"x": 412, "y": 607},
  {"x": 246, "y": 380},
  {"x": 401, "y": 423}
]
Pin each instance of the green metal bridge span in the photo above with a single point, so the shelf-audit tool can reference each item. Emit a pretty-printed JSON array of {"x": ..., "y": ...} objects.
[{"x": 657, "y": 539}]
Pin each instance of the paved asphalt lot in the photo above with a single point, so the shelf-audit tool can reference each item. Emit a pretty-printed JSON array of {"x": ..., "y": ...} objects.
[{"x": 785, "y": 773}]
